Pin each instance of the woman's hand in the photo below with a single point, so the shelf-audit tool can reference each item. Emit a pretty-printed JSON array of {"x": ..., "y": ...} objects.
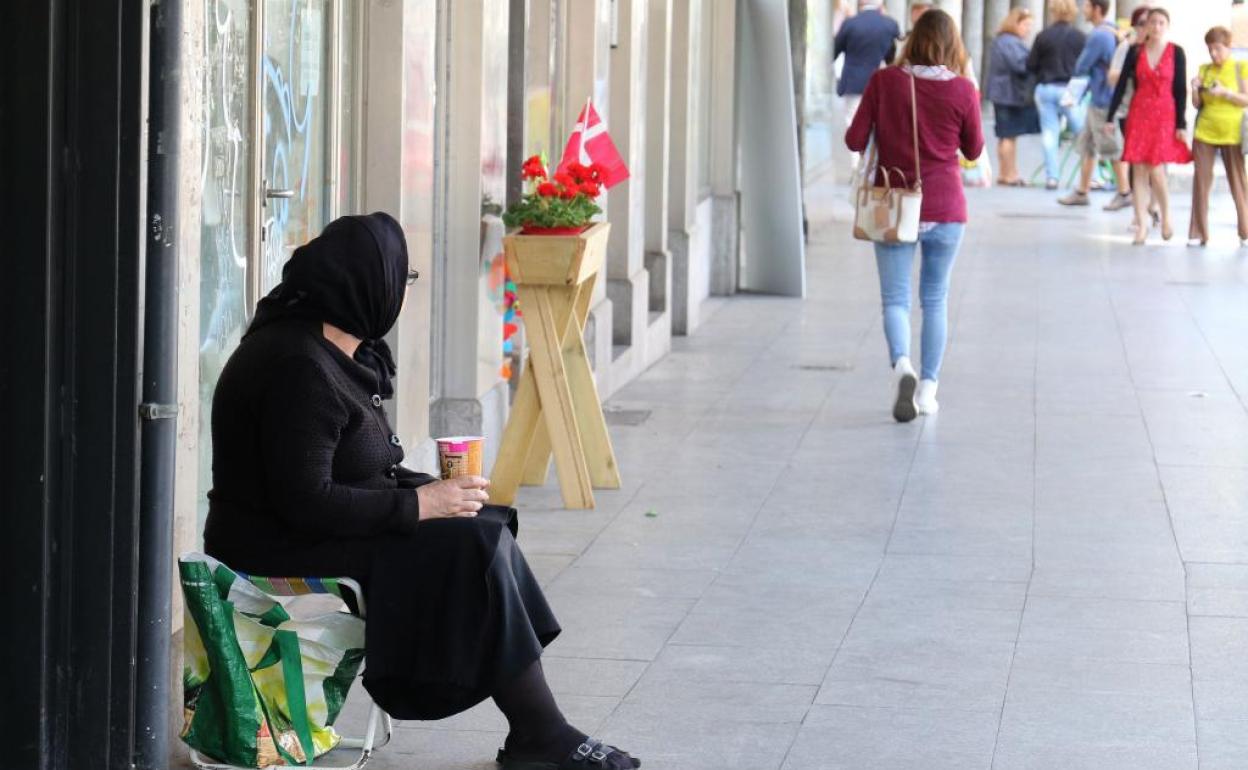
[
  {"x": 1108, "y": 129},
  {"x": 1181, "y": 135},
  {"x": 1196, "y": 84},
  {"x": 461, "y": 496},
  {"x": 1217, "y": 89}
]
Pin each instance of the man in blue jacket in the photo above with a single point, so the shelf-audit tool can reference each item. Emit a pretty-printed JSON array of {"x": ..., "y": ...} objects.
[
  {"x": 1094, "y": 141},
  {"x": 867, "y": 40}
]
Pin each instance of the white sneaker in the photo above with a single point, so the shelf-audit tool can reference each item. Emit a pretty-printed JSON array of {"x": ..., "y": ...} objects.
[
  {"x": 904, "y": 408},
  {"x": 926, "y": 397}
]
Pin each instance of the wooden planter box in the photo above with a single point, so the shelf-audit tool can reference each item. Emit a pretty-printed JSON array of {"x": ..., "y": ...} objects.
[
  {"x": 556, "y": 411},
  {"x": 564, "y": 260}
]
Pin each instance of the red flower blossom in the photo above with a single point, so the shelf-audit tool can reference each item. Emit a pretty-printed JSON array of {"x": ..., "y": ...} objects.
[
  {"x": 591, "y": 189},
  {"x": 533, "y": 169},
  {"x": 565, "y": 179},
  {"x": 570, "y": 192},
  {"x": 596, "y": 172},
  {"x": 578, "y": 172},
  {"x": 548, "y": 189}
]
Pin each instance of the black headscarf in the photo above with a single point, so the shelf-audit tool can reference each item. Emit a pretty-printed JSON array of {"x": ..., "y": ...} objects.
[{"x": 353, "y": 275}]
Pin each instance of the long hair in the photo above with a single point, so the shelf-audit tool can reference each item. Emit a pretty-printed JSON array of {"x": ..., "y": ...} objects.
[
  {"x": 1013, "y": 22},
  {"x": 935, "y": 41}
]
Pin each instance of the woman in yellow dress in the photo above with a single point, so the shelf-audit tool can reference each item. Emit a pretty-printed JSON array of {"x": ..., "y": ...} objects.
[{"x": 1220, "y": 92}]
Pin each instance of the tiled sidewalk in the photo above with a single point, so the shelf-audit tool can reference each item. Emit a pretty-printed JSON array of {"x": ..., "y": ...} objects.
[{"x": 1052, "y": 573}]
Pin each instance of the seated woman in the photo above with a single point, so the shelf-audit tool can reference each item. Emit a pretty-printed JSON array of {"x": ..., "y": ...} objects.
[{"x": 307, "y": 481}]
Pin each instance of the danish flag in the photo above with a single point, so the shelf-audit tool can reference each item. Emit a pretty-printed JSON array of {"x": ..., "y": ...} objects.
[{"x": 590, "y": 143}]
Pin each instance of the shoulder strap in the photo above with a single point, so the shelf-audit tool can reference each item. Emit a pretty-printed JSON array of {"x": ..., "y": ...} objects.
[{"x": 914, "y": 125}]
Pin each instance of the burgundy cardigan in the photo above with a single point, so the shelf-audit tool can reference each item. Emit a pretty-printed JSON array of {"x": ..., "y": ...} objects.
[{"x": 949, "y": 121}]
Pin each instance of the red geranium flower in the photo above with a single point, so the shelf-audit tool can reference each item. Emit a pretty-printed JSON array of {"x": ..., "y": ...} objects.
[
  {"x": 596, "y": 172},
  {"x": 591, "y": 189},
  {"x": 533, "y": 169},
  {"x": 568, "y": 193},
  {"x": 548, "y": 189},
  {"x": 578, "y": 172},
  {"x": 565, "y": 179}
]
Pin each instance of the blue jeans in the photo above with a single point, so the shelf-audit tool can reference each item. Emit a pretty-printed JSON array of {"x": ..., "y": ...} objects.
[
  {"x": 1048, "y": 104},
  {"x": 895, "y": 261}
]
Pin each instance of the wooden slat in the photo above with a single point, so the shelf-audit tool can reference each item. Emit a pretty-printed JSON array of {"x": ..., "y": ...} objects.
[
  {"x": 558, "y": 409},
  {"x": 522, "y": 427},
  {"x": 592, "y": 425}
]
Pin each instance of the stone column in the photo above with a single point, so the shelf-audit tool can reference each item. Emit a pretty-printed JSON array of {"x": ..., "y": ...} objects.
[
  {"x": 658, "y": 157},
  {"x": 973, "y": 34},
  {"x": 725, "y": 223},
  {"x": 628, "y": 283},
  {"x": 586, "y": 72},
  {"x": 900, "y": 11},
  {"x": 682, "y": 205},
  {"x": 472, "y": 398},
  {"x": 995, "y": 12},
  {"x": 1037, "y": 8}
]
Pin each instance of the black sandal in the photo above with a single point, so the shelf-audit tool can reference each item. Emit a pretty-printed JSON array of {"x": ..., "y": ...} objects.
[{"x": 590, "y": 755}]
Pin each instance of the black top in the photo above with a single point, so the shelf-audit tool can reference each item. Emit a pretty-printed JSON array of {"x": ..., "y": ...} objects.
[
  {"x": 1053, "y": 55},
  {"x": 302, "y": 448},
  {"x": 1178, "y": 88}
]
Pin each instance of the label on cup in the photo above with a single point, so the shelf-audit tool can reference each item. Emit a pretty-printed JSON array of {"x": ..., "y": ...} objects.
[{"x": 461, "y": 456}]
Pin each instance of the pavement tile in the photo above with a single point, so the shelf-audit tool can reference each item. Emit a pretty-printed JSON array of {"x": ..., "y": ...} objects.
[
  {"x": 852, "y": 738},
  {"x": 1217, "y": 589}
]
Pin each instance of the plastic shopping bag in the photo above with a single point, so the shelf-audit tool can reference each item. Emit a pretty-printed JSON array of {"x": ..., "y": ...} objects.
[
  {"x": 260, "y": 688},
  {"x": 975, "y": 173}
]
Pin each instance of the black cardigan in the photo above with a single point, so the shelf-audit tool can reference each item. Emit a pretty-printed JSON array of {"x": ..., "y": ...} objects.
[
  {"x": 1178, "y": 88},
  {"x": 302, "y": 448}
]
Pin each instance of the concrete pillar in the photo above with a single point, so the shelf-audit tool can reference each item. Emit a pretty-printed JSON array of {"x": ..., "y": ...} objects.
[
  {"x": 392, "y": 30},
  {"x": 1037, "y": 8},
  {"x": 472, "y": 398},
  {"x": 628, "y": 284},
  {"x": 687, "y": 288},
  {"x": 658, "y": 258},
  {"x": 725, "y": 225},
  {"x": 995, "y": 12},
  {"x": 973, "y": 34},
  {"x": 586, "y": 72},
  {"x": 900, "y": 11}
]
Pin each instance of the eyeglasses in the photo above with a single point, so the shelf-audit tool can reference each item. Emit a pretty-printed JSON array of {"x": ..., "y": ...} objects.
[{"x": 412, "y": 275}]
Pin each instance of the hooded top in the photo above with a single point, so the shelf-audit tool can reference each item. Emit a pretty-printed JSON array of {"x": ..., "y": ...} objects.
[{"x": 353, "y": 275}]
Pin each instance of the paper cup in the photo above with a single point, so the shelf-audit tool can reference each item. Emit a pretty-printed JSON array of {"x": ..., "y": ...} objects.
[{"x": 461, "y": 456}]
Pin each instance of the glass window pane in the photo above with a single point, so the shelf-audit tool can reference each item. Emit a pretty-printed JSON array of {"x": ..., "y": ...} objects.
[
  {"x": 225, "y": 229},
  {"x": 295, "y": 110}
]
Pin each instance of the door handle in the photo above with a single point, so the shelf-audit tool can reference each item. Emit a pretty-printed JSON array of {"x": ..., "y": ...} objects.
[{"x": 271, "y": 193}]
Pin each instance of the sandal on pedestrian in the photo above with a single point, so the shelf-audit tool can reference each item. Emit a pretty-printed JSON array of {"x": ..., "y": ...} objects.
[
  {"x": 1011, "y": 182},
  {"x": 592, "y": 754}
]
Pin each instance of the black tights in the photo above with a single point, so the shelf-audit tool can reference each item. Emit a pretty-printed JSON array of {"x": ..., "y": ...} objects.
[{"x": 537, "y": 726}]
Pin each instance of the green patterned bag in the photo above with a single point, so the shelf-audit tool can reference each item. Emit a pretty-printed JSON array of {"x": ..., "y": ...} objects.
[{"x": 260, "y": 688}]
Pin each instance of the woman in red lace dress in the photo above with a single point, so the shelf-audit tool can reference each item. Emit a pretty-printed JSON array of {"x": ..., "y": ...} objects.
[{"x": 1156, "y": 129}]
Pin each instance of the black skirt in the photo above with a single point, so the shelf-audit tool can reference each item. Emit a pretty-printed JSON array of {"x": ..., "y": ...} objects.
[
  {"x": 453, "y": 611},
  {"x": 1012, "y": 121}
]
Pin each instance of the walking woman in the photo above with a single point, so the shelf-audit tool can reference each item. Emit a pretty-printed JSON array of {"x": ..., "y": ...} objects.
[
  {"x": 1157, "y": 120},
  {"x": 306, "y": 480},
  {"x": 1219, "y": 93},
  {"x": 1133, "y": 39},
  {"x": 1052, "y": 63},
  {"x": 948, "y": 122},
  {"x": 1009, "y": 90}
]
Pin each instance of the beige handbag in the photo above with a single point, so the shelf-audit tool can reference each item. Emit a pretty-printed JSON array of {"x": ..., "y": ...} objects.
[{"x": 890, "y": 214}]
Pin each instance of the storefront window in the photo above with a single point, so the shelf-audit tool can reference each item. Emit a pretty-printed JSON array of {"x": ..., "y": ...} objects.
[
  {"x": 276, "y": 126},
  {"x": 225, "y": 235}
]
